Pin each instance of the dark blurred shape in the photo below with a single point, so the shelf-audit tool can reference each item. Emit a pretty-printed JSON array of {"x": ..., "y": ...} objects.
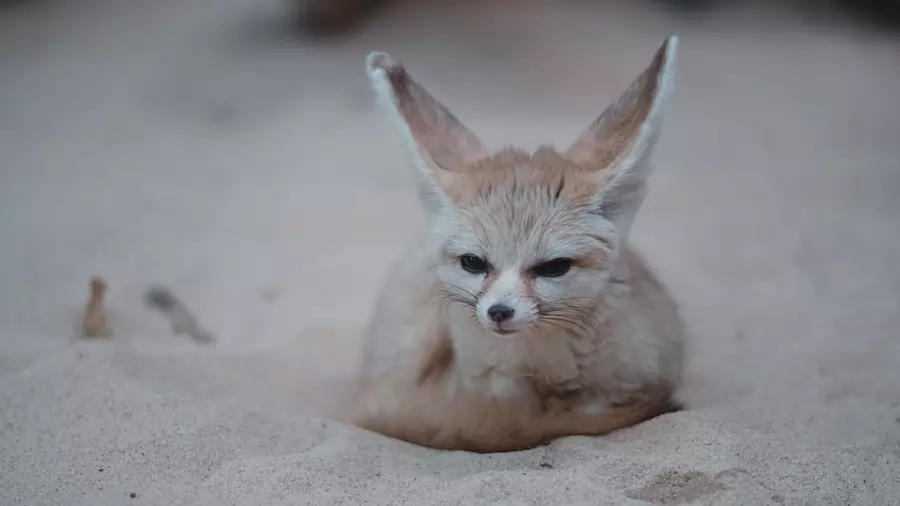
[
  {"x": 885, "y": 12},
  {"x": 329, "y": 17},
  {"x": 14, "y": 3},
  {"x": 333, "y": 17},
  {"x": 160, "y": 298},
  {"x": 686, "y": 5},
  {"x": 182, "y": 320}
]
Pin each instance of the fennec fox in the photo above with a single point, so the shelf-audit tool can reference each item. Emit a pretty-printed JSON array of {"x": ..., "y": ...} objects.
[{"x": 521, "y": 315}]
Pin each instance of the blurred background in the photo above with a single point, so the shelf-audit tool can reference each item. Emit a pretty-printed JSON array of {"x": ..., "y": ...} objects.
[{"x": 232, "y": 150}]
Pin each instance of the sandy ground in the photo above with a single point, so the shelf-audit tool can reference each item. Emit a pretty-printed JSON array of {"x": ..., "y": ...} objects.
[{"x": 194, "y": 143}]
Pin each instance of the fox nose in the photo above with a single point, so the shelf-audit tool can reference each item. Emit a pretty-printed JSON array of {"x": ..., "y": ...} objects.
[{"x": 499, "y": 313}]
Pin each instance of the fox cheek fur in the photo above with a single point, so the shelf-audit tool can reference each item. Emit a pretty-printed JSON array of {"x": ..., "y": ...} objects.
[
  {"x": 509, "y": 281},
  {"x": 526, "y": 297}
]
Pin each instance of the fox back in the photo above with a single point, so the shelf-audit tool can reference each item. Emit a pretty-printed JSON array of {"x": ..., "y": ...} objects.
[{"x": 522, "y": 306}]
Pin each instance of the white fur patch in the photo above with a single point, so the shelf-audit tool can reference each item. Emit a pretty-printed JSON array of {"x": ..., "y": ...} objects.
[{"x": 508, "y": 290}]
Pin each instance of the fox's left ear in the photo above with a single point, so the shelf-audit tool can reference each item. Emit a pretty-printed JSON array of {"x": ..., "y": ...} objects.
[
  {"x": 441, "y": 145},
  {"x": 617, "y": 147}
]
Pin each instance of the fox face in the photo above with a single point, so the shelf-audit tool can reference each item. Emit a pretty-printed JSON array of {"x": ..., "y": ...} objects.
[
  {"x": 525, "y": 248},
  {"x": 527, "y": 241}
]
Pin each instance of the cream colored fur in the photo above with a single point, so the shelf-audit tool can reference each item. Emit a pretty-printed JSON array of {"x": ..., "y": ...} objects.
[{"x": 588, "y": 351}]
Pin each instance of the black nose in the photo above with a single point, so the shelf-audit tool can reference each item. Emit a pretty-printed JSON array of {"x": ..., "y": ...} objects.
[{"x": 500, "y": 313}]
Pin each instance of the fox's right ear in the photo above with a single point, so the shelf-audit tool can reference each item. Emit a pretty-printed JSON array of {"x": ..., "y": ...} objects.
[{"x": 441, "y": 145}]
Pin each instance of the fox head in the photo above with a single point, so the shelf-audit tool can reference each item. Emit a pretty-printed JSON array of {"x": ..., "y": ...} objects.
[{"x": 529, "y": 240}]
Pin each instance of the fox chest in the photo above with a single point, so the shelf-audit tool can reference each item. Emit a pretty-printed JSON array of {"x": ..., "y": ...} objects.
[{"x": 555, "y": 380}]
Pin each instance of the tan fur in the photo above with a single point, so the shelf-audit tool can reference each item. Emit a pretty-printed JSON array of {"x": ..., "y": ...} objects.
[
  {"x": 95, "y": 323},
  {"x": 586, "y": 352},
  {"x": 610, "y": 136},
  {"x": 473, "y": 422}
]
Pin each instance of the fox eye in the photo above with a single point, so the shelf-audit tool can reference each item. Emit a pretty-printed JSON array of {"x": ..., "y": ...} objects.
[
  {"x": 552, "y": 269},
  {"x": 473, "y": 264}
]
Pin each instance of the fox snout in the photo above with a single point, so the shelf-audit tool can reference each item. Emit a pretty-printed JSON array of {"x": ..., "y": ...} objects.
[
  {"x": 499, "y": 313},
  {"x": 507, "y": 305}
]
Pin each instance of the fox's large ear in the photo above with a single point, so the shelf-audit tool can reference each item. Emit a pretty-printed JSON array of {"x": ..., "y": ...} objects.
[
  {"x": 441, "y": 145},
  {"x": 618, "y": 146}
]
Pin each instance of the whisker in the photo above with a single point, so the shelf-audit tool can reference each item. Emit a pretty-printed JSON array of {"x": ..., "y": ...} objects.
[
  {"x": 569, "y": 325},
  {"x": 460, "y": 295},
  {"x": 463, "y": 290},
  {"x": 572, "y": 314}
]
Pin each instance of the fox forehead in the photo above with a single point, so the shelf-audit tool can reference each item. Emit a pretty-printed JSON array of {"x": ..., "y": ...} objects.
[
  {"x": 519, "y": 209},
  {"x": 511, "y": 170}
]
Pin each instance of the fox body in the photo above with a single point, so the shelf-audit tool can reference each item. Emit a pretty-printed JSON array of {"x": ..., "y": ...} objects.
[{"x": 522, "y": 314}]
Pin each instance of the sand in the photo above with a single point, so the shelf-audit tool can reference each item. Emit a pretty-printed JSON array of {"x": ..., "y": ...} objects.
[{"x": 193, "y": 144}]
